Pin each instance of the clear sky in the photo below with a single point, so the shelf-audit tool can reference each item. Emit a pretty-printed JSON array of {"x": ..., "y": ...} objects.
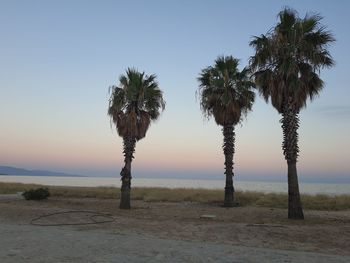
[{"x": 58, "y": 58}]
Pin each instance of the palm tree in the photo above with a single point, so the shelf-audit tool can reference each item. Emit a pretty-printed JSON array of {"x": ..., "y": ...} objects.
[
  {"x": 132, "y": 106},
  {"x": 226, "y": 93},
  {"x": 286, "y": 66}
]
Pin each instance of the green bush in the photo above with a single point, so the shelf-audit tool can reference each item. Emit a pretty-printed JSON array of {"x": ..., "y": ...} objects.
[{"x": 36, "y": 194}]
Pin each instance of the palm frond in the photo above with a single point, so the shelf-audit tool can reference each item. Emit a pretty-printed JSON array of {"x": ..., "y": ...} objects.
[
  {"x": 287, "y": 58},
  {"x": 225, "y": 92},
  {"x": 135, "y": 103}
]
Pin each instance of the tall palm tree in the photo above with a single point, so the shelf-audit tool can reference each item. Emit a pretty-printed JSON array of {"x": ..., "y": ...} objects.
[
  {"x": 132, "y": 106},
  {"x": 287, "y": 64},
  {"x": 226, "y": 93}
]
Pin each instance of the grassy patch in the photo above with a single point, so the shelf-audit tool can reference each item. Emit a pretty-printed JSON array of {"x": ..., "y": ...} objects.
[
  {"x": 247, "y": 198},
  {"x": 325, "y": 202},
  {"x": 12, "y": 188}
]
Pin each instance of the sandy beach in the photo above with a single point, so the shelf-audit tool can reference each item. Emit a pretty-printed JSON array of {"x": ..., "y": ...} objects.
[{"x": 167, "y": 232}]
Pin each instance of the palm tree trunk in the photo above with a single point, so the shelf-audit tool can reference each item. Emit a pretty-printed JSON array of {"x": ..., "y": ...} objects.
[
  {"x": 229, "y": 149},
  {"x": 290, "y": 125},
  {"x": 129, "y": 149}
]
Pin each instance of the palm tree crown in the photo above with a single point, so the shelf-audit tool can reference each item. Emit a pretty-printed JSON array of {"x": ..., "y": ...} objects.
[
  {"x": 135, "y": 103},
  {"x": 288, "y": 58},
  {"x": 226, "y": 92}
]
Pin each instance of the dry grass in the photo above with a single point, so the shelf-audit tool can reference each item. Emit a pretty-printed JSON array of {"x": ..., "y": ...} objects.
[
  {"x": 12, "y": 188},
  {"x": 312, "y": 202}
]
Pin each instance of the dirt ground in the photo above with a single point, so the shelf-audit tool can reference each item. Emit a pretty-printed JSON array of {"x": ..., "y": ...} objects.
[{"x": 322, "y": 232}]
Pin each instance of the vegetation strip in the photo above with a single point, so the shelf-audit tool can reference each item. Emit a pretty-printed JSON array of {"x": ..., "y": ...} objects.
[{"x": 247, "y": 198}]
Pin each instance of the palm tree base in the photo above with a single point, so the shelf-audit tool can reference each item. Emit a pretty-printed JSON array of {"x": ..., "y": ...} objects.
[
  {"x": 234, "y": 204},
  {"x": 230, "y": 205},
  {"x": 125, "y": 200},
  {"x": 229, "y": 200},
  {"x": 124, "y": 206},
  {"x": 298, "y": 215},
  {"x": 295, "y": 210}
]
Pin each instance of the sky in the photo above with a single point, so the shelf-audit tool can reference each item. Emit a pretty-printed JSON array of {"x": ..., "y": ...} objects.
[{"x": 58, "y": 59}]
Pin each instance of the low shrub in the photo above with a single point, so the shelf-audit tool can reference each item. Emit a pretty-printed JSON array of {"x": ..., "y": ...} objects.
[{"x": 36, "y": 194}]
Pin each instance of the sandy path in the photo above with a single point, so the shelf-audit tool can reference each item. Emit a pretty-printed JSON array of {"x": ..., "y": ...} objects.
[
  {"x": 26, "y": 243},
  {"x": 169, "y": 232}
]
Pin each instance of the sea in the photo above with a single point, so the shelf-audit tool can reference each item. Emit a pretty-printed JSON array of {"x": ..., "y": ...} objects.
[{"x": 266, "y": 187}]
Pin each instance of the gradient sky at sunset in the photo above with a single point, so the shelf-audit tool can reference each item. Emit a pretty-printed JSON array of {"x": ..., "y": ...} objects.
[{"x": 58, "y": 58}]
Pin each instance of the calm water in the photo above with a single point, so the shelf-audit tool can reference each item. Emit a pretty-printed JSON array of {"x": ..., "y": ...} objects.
[{"x": 267, "y": 187}]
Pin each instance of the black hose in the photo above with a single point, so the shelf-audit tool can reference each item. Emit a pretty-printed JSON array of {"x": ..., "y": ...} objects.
[{"x": 94, "y": 214}]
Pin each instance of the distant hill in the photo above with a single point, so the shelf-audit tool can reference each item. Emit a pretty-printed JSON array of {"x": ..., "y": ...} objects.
[{"x": 8, "y": 170}]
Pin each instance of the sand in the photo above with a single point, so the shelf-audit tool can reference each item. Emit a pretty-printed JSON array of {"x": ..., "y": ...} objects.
[{"x": 168, "y": 232}]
